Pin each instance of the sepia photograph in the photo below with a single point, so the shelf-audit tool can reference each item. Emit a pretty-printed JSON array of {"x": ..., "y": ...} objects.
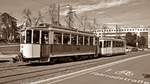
[{"x": 74, "y": 42}]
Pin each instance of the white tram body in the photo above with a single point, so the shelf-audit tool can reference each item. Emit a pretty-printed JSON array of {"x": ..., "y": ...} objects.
[
  {"x": 111, "y": 46},
  {"x": 44, "y": 43}
]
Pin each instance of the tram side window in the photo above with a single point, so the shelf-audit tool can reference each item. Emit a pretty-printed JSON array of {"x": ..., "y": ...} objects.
[
  {"x": 28, "y": 36},
  {"x": 118, "y": 44},
  {"x": 44, "y": 37},
  {"x": 121, "y": 44},
  {"x": 66, "y": 39},
  {"x": 114, "y": 44},
  {"x": 80, "y": 40},
  {"x": 107, "y": 43},
  {"x": 36, "y": 35},
  {"x": 57, "y": 38},
  {"x": 91, "y": 40},
  {"x": 86, "y": 40},
  {"x": 74, "y": 39}
]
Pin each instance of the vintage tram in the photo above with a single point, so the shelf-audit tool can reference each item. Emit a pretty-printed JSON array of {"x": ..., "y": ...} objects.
[
  {"x": 111, "y": 46},
  {"x": 53, "y": 43},
  {"x": 46, "y": 44}
]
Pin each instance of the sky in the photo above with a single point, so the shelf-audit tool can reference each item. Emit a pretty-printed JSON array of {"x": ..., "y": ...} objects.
[{"x": 105, "y": 11}]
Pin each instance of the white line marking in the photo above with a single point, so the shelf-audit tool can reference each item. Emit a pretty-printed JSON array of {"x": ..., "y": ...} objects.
[{"x": 82, "y": 72}]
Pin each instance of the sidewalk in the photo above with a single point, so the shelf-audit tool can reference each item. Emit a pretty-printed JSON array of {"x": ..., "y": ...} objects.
[{"x": 6, "y": 58}]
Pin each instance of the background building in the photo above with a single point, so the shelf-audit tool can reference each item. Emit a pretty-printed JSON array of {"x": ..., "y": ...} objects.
[{"x": 115, "y": 31}]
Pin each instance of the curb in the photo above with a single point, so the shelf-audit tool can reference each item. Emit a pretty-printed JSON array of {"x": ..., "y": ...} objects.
[{"x": 6, "y": 58}]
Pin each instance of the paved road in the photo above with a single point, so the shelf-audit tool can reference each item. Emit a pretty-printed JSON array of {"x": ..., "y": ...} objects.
[{"x": 135, "y": 70}]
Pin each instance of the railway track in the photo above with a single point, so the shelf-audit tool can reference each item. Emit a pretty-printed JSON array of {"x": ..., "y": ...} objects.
[
  {"x": 47, "y": 71},
  {"x": 51, "y": 70},
  {"x": 9, "y": 66}
]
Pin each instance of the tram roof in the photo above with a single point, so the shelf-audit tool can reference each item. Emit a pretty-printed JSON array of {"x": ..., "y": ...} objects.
[{"x": 58, "y": 28}]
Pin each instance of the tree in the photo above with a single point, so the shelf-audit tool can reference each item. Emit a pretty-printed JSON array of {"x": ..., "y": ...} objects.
[
  {"x": 131, "y": 39},
  {"x": 141, "y": 42},
  {"x": 53, "y": 13},
  {"x": 27, "y": 16},
  {"x": 134, "y": 40},
  {"x": 70, "y": 17},
  {"x": 38, "y": 19},
  {"x": 8, "y": 27}
]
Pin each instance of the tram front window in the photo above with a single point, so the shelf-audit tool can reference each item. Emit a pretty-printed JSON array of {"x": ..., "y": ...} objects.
[
  {"x": 28, "y": 36},
  {"x": 36, "y": 35},
  {"x": 22, "y": 37}
]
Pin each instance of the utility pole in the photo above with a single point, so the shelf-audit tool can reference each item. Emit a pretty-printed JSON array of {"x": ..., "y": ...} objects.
[
  {"x": 58, "y": 17},
  {"x": 70, "y": 17}
]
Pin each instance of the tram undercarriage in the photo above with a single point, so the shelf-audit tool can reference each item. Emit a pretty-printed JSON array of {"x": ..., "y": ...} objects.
[{"x": 54, "y": 59}]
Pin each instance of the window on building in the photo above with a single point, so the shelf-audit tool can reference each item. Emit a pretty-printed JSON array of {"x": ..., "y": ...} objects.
[{"x": 99, "y": 33}]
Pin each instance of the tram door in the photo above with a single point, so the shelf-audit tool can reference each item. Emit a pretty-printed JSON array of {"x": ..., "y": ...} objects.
[
  {"x": 36, "y": 44},
  {"x": 44, "y": 45}
]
